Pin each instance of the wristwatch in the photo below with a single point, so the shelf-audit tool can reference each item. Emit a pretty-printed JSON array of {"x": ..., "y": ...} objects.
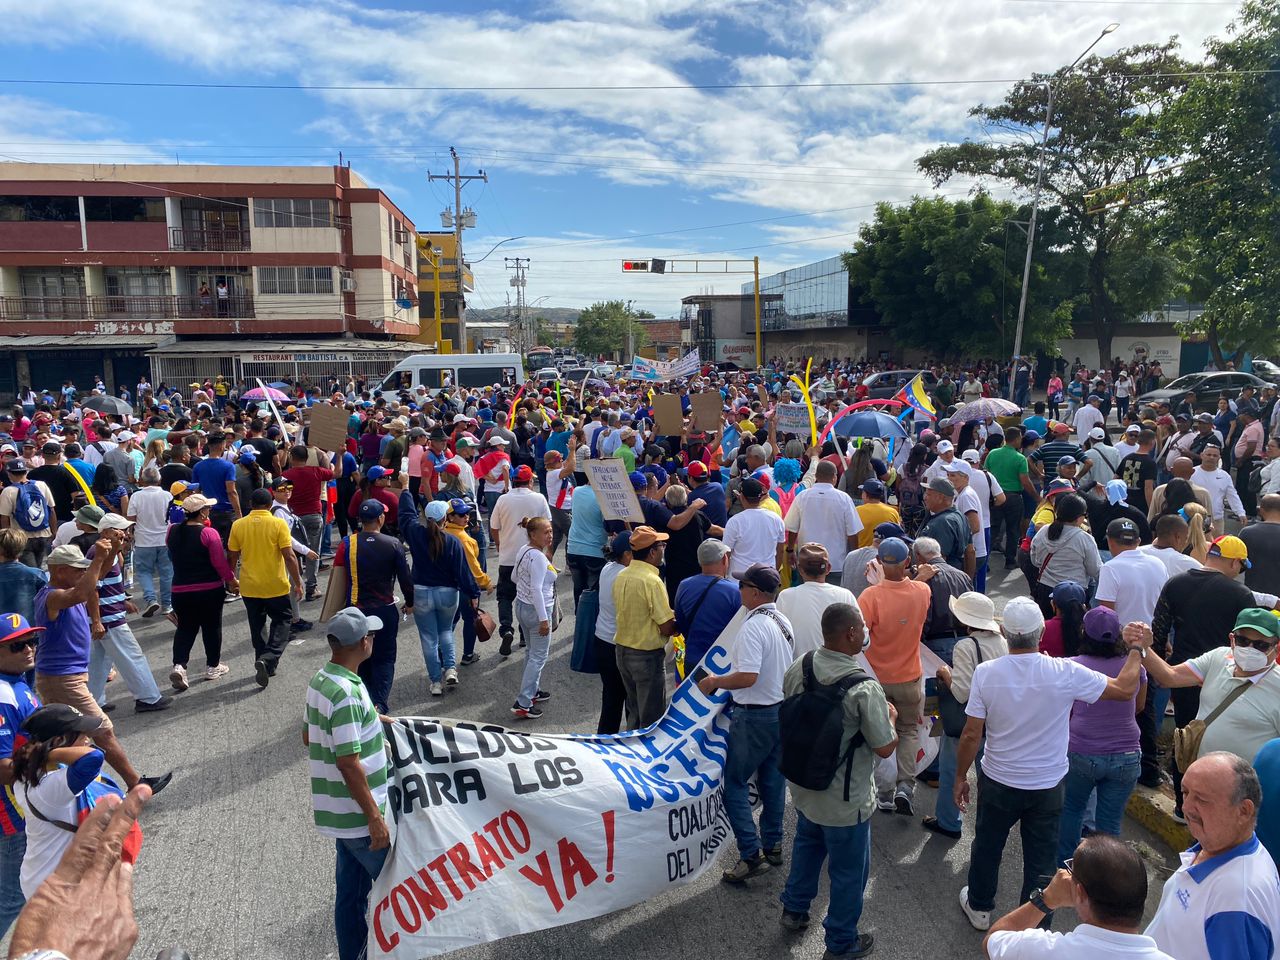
[
  {"x": 1037, "y": 900},
  {"x": 44, "y": 955},
  {"x": 1142, "y": 651}
]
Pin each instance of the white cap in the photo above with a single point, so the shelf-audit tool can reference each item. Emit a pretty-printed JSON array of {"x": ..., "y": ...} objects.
[
  {"x": 958, "y": 466},
  {"x": 1097, "y": 433},
  {"x": 945, "y": 446},
  {"x": 113, "y": 521},
  {"x": 971, "y": 455},
  {"x": 1132, "y": 428},
  {"x": 497, "y": 442},
  {"x": 1022, "y": 615}
]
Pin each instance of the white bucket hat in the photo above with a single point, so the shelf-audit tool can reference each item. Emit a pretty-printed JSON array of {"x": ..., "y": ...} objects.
[{"x": 975, "y": 610}]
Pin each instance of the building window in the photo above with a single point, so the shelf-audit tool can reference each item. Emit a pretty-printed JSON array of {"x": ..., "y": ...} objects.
[
  {"x": 40, "y": 208},
  {"x": 275, "y": 212},
  {"x": 293, "y": 280},
  {"x": 124, "y": 209}
]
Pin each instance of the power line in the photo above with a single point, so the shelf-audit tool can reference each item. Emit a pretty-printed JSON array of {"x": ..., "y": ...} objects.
[{"x": 550, "y": 88}]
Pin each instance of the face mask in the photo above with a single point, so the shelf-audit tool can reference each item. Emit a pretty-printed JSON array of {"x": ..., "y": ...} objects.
[{"x": 1248, "y": 659}]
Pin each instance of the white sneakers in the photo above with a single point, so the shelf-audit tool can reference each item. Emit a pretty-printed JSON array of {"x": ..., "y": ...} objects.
[
  {"x": 213, "y": 673},
  {"x": 451, "y": 676},
  {"x": 178, "y": 677},
  {"x": 978, "y": 919},
  {"x": 437, "y": 689}
]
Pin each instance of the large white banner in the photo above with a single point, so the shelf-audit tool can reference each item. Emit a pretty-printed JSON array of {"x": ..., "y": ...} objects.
[
  {"x": 655, "y": 371},
  {"x": 497, "y": 831}
]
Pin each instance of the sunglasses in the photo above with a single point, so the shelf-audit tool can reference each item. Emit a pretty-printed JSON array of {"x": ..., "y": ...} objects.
[
  {"x": 1263, "y": 646},
  {"x": 17, "y": 646},
  {"x": 284, "y": 486}
]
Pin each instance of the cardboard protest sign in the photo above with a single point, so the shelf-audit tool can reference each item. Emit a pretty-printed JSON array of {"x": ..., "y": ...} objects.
[
  {"x": 668, "y": 415},
  {"x": 793, "y": 418},
  {"x": 328, "y": 428},
  {"x": 708, "y": 411},
  {"x": 762, "y": 393},
  {"x": 612, "y": 485}
]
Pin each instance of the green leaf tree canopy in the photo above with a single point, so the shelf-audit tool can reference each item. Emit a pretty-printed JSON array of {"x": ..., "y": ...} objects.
[{"x": 603, "y": 327}]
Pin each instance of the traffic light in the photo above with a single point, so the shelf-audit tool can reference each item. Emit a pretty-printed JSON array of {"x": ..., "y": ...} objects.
[
  {"x": 657, "y": 266},
  {"x": 636, "y": 266}
]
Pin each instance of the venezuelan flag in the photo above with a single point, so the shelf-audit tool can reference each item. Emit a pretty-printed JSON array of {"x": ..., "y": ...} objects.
[{"x": 914, "y": 396}]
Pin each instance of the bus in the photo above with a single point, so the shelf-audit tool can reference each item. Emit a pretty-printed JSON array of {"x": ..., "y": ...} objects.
[
  {"x": 461, "y": 369},
  {"x": 539, "y": 357}
]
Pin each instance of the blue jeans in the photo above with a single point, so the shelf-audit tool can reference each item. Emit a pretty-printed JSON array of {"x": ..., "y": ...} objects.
[
  {"x": 1114, "y": 776},
  {"x": 151, "y": 564},
  {"x": 379, "y": 670},
  {"x": 755, "y": 748},
  {"x": 357, "y": 867},
  {"x": 119, "y": 646},
  {"x": 313, "y": 524},
  {"x": 536, "y": 651},
  {"x": 849, "y": 850},
  {"x": 433, "y": 609},
  {"x": 945, "y": 809},
  {"x": 12, "y": 849}
]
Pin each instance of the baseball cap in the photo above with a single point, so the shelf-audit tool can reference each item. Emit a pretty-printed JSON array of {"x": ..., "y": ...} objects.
[
  {"x": 90, "y": 515},
  {"x": 1183, "y": 416},
  {"x": 893, "y": 550},
  {"x": 1022, "y": 615},
  {"x": 884, "y": 531},
  {"x": 1102, "y": 624},
  {"x": 761, "y": 576},
  {"x": 942, "y": 485},
  {"x": 945, "y": 446},
  {"x": 522, "y": 474},
  {"x": 752, "y": 489},
  {"x": 697, "y": 470},
  {"x": 971, "y": 456},
  {"x": 1067, "y": 591},
  {"x": 711, "y": 551},
  {"x": 281, "y": 483},
  {"x": 1232, "y": 548},
  {"x": 1059, "y": 486},
  {"x": 461, "y": 418},
  {"x": 22, "y": 628},
  {"x": 1122, "y": 529},
  {"x": 453, "y": 469},
  {"x": 349, "y": 626},
  {"x": 958, "y": 466},
  {"x": 67, "y": 555},
  {"x": 460, "y": 507},
  {"x": 621, "y": 543},
  {"x": 195, "y": 502},
  {"x": 1097, "y": 433},
  {"x": 1067, "y": 461},
  {"x": 377, "y": 473},
  {"x": 467, "y": 441},
  {"x": 1254, "y": 618},
  {"x": 1132, "y": 428},
  {"x": 497, "y": 442},
  {"x": 52, "y": 447},
  {"x": 113, "y": 521},
  {"x": 638, "y": 480},
  {"x": 552, "y": 456},
  {"x": 1203, "y": 418},
  {"x": 372, "y": 510},
  {"x": 55, "y": 719},
  {"x": 1032, "y": 435},
  {"x": 437, "y": 510},
  {"x": 16, "y": 465},
  {"x": 1117, "y": 492},
  {"x": 247, "y": 455},
  {"x": 875, "y": 488},
  {"x": 642, "y": 537},
  {"x": 1060, "y": 427}
]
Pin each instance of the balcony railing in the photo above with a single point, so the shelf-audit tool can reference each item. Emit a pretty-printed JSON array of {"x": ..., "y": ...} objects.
[
  {"x": 218, "y": 239},
  {"x": 784, "y": 321},
  {"x": 166, "y": 306}
]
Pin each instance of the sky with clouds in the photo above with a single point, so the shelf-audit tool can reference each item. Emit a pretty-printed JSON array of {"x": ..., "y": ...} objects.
[{"x": 694, "y": 163}]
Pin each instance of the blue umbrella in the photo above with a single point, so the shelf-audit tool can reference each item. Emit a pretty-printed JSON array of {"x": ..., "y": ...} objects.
[
  {"x": 279, "y": 385},
  {"x": 869, "y": 423}
]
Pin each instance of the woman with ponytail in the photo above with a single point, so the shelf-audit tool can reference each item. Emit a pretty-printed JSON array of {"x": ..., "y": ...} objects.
[{"x": 535, "y": 579}]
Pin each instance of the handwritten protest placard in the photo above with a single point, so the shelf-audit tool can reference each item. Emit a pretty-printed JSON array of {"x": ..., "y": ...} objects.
[
  {"x": 793, "y": 418},
  {"x": 612, "y": 484}
]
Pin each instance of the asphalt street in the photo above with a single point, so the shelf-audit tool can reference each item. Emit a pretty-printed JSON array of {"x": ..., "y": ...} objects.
[{"x": 231, "y": 868}]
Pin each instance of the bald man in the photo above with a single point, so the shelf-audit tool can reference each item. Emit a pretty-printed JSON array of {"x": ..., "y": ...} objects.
[{"x": 1181, "y": 469}]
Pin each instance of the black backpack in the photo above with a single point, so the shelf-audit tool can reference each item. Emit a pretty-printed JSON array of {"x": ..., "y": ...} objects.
[{"x": 812, "y": 723}]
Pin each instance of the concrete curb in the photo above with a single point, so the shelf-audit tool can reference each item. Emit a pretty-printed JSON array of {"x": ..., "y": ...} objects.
[{"x": 1154, "y": 810}]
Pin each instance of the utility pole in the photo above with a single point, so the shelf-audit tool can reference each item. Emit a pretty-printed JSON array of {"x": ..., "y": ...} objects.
[
  {"x": 459, "y": 218},
  {"x": 631, "y": 347},
  {"x": 520, "y": 281}
]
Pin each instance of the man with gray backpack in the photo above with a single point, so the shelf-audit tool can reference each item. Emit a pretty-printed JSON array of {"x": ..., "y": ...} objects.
[
  {"x": 835, "y": 722},
  {"x": 28, "y": 505}
]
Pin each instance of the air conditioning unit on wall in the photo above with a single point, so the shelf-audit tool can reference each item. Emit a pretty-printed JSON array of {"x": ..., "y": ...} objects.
[{"x": 348, "y": 283}]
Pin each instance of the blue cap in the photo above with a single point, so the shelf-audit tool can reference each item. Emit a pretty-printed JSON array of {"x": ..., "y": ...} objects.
[
  {"x": 1032, "y": 434},
  {"x": 875, "y": 487},
  {"x": 1067, "y": 591},
  {"x": 372, "y": 510},
  {"x": 1067, "y": 461},
  {"x": 639, "y": 480},
  {"x": 377, "y": 473},
  {"x": 460, "y": 506},
  {"x": 437, "y": 510},
  {"x": 247, "y": 455},
  {"x": 620, "y": 544},
  {"x": 17, "y": 626},
  {"x": 894, "y": 550},
  {"x": 890, "y": 529}
]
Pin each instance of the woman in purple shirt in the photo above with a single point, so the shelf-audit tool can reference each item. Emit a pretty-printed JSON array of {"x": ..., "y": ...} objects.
[{"x": 1103, "y": 751}]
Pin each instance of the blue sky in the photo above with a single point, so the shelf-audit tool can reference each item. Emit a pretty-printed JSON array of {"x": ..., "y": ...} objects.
[{"x": 575, "y": 172}]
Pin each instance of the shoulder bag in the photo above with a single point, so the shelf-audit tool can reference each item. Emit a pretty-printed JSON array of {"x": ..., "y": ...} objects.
[{"x": 1186, "y": 740}]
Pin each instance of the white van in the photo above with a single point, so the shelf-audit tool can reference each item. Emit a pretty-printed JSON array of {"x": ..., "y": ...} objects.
[{"x": 462, "y": 369}]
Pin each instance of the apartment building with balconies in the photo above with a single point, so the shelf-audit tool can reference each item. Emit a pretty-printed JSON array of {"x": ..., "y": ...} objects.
[{"x": 104, "y": 268}]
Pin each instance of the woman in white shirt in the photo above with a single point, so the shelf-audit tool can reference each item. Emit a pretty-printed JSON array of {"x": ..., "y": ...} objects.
[
  {"x": 612, "y": 694},
  {"x": 535, "y": 579}
]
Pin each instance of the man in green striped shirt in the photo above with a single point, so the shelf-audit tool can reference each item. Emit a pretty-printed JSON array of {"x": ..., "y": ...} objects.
[{"x": 349, "y": 773}]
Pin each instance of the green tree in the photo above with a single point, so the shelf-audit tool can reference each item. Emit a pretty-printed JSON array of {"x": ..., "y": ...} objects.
[
  {"x": 1222, "y": 202},
  {"x": 939, "y": 274},
  {"x": 1104, "y": 131},
  {"x": 546, "y": 336},
  {"x": 603, "y": 327}
]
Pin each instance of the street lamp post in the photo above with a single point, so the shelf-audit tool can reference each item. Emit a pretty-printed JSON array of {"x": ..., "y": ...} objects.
[{"x": 1035, "y": 206}]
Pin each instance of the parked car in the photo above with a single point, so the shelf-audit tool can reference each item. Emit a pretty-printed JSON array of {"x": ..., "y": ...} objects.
[
  {"x": 604, "y": 370},
  {"x": 883, "y": 385},
  {"x": 547, "y": 375},
  {"x": 1266, "y": 369},
  {"x": 575, "y": 374},
  {"x": 1208, "y": 388}
]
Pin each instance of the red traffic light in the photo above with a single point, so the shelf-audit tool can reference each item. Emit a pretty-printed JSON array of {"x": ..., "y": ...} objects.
[{"x": 635, "y": 266}]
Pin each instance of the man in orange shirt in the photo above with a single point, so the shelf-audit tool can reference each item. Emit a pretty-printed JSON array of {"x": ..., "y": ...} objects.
[{"x": 895, "y": 610}]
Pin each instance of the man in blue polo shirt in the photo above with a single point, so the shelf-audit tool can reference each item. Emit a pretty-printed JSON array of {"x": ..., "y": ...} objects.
[
  {"x": 217, "y": 479},
  {"x": 706, "y": 603},
  {"x": 17, "y": 702}
]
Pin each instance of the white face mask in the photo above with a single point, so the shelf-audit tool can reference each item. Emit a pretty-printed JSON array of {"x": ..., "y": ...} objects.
[{"x": 1248, "y": 659}]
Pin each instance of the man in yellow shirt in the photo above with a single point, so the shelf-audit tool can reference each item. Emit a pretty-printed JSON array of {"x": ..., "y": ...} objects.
[
  {"x": 874, "y": 511},
  {"x": 645, "y": 620},
  {"x": 264, "y": 548}
]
